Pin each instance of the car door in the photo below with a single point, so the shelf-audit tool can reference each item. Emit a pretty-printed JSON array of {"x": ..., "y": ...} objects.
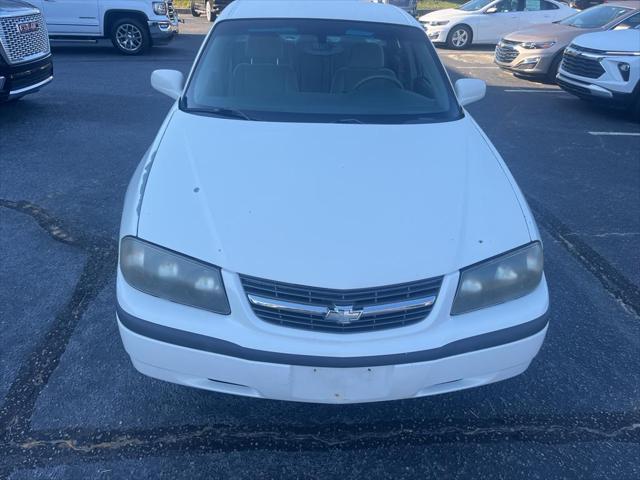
[
  {"x": 497, "y": 20},
  {"x": 539, "y": 11},
  {"x": 71, "y": 17}
]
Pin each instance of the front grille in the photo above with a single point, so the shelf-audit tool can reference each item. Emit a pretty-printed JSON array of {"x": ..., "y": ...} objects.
[
  {"x": 330, "y": 298},
  {"x": 171, "y": 11},
  {"x": 30, "y": 77},
  {"x": 21, "y": 47},
  {"x": 576, "y": 64},
  {"x": 505, "y": 53}
]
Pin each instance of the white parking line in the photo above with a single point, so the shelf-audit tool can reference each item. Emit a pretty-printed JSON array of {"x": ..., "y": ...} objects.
[
  {"x": 534, "y": 90},
  {"x": 616, "y": 134}
]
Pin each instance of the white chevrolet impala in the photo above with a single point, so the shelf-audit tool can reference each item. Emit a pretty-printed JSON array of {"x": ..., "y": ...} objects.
[{"x": 319, "y": 219}]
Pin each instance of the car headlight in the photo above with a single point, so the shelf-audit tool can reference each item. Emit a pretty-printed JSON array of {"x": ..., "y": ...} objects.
[
  {"x": 500, "y": 279},
  {"x": 166, "y": 274},
  {"x": 436, "y": 23},
  {"x": 160, "y": 8},
  {"x": 537, "y": 45}
]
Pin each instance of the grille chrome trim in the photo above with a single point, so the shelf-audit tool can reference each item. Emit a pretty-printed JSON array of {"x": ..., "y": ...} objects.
[
  {"x": 318, "y": 310},
  {"x": 23, "y": 47},
  {"x": 341, "y": 311}
]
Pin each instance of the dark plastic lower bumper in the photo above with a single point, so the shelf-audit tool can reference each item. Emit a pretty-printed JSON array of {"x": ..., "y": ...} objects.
[{"x": 22, "y": 79}]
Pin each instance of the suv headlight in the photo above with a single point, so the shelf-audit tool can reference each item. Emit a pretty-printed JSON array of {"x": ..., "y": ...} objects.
[
  {"x": 436, "y": 23},
  {"x": 500, "y": 279},
  {"x": 160, "y": 8},
  {"x": 169, "y": 275},
  {"x": 537, "y": 45}
]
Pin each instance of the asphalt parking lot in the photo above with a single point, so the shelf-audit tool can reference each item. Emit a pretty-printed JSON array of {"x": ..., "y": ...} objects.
[{"x": 73, "y": 407}]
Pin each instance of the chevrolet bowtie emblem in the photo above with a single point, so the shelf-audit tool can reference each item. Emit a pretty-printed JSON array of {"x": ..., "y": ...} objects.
[{"x": 343, "y": 314}]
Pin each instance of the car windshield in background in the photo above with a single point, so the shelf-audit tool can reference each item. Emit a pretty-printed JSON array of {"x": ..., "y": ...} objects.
[
  {"x": 595, "y": 17},
  {"x": 302, "y": 70},
  {"x": 474, "y": 5}
]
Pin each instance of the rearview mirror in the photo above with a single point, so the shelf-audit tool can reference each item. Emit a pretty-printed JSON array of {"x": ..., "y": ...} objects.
[
  {"x": 491, "y": 10},
  {"x": 470, "y": 90},
  {"x": 169, "y": 82}
]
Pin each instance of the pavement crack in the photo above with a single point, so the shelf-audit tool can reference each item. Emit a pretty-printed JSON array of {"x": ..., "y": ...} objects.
[
  {"x": 615, "y": 283},
  {"x": 35, "y": 371}
]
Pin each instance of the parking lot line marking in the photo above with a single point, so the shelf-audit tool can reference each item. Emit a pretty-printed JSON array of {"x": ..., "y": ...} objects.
[
  {"x": 533, "y": 90},
  {"x": 616, "y": 134}
]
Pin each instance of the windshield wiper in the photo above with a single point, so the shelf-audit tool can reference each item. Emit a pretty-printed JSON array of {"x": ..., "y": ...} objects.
[{"x": 221, "y": 112}]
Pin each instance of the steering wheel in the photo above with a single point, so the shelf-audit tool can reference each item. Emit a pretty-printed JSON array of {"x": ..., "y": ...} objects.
[{"x": 395, "y": 81}]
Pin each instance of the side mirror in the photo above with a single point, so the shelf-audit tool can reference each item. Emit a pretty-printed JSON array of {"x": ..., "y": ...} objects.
[
  {"x": 491, "y": 10},
  {"x": 470, "y": 90},
  {"x": 169, "y": 82}
]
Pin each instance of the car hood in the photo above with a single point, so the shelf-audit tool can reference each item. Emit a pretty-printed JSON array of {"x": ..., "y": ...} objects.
[
  {"x": 333, "y": 205},
  {"x": 15, "y": 7},
  {"x": 544, "y": 32},
  {"x": 615, "y": 40},
  {"x": 444, "y": 14}
]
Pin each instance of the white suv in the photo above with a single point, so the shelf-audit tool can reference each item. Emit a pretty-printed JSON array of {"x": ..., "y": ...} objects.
[
  {"x": 604, "y": 67},
  {"x": 132, "y": 25},
  {"x": 353, "y": 236}
]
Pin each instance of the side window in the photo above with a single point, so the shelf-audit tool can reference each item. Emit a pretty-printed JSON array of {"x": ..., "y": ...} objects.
[
  {"x": 532, "y": 5},
  {"x": 632, "y": 22},
  {"x": 548, "y": 5},
  {"x": 507, "y": 6}
]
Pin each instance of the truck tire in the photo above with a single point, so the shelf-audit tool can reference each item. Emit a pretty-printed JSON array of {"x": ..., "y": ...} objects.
[
  {"x": 194, "y": 12},
  {"x": 130, "y": 36},
  {"x": 210, "y": 11}
]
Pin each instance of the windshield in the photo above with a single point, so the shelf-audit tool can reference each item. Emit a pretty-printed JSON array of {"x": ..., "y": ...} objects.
[
  {"x": 595, "y": 17},
  {"x": 303, "y": 70},
  {"x": 474, "y": 5}
]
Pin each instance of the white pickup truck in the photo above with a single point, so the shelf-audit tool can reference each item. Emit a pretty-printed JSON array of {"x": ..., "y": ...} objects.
[{"x": 132, "y": 25}]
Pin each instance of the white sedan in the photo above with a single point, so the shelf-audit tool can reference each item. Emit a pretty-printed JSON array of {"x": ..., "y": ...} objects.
[
  {"x": 487, "y": 21},
  {"x": 319, "y": 219}
]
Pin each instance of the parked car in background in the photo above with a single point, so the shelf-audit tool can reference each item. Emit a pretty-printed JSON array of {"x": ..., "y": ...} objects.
[
  {"x": 604, "y": 67},
  {"x": 264, "y": 274},
  {"x": 210, "y": 8},
  {"x": 584, "y": 4},
  {"x": 409, "y": 6},
  {"x": 487, "y": 21},
  {"x": 132, "y": 25},
  {"x": 537, "y": 51},
  {"x": 25, "y": 56}
]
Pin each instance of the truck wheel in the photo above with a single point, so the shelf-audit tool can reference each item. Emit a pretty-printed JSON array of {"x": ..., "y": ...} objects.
[
  {"x": 130, "y": 36},
  {"x": 459, "y": 37},
  {"x": 210, "y": 11},
  {"x": 194, "y": 12}
]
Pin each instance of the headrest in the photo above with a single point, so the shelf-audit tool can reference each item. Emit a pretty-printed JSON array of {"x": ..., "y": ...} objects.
[
  {"x": 366, "y": 55},
  {"x": 264, "y": 48}
]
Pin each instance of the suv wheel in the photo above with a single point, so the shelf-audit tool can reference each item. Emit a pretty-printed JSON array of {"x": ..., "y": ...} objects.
[
  {"x": 210, "y": 12},
  {"x": 194, "y": 12},
  {"x": 459, "y": 37},
  {"x": 130, "y": 36}
]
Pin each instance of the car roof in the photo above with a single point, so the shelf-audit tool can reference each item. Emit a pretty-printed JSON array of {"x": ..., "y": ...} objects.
[{"x": 358, "y": 10}]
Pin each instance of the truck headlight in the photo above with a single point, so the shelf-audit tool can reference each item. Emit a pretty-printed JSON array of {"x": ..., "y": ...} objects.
[
  {"x": 500, "y": 279},
  {"x": 169, "y": 275},
  {"x": 537, "y": 45},
  {"x": 160, "y": 8}
]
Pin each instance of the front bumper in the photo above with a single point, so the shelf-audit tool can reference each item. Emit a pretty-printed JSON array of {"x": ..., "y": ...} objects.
[
  {"x": 163, "y": 31},
  {"x": 437, "y": 34},
  {"x": 243, "y": 355},
  {"x": 529, "y": 63},
  {"x": 22, "y": 79},
  {"x": 596, "y": 93}
]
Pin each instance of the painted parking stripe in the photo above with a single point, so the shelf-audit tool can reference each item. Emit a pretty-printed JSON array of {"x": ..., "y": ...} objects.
[
  {"x": 533, "y": 90},
  {"x": 616, "y": 134}
]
